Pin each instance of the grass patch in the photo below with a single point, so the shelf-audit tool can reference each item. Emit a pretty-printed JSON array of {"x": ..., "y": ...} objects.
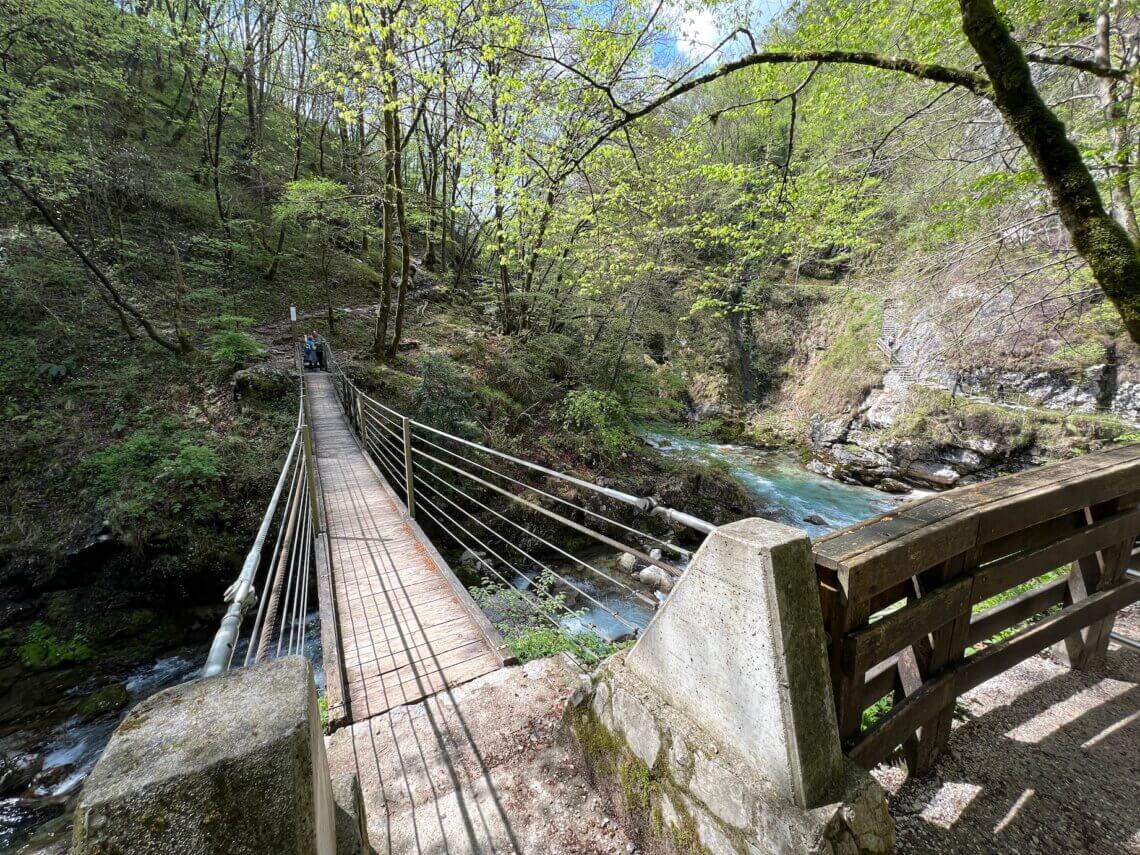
[
  {"x": 43, "y": 648},
  {"x": 526, "y": 620},
  {"x": 1006, "y": 596},
  {"x": 878, "y": 710},
  {"x": 851, "y": 363}
]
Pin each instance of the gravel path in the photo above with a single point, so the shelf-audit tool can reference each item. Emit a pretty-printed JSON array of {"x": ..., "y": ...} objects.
[{"x": 1042, "y": 760}]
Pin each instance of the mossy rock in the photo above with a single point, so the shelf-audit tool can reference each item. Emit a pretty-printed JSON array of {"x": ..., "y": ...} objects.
[
  {"x": 265, "y": 384},
  {"x": 104, "y": 701}
]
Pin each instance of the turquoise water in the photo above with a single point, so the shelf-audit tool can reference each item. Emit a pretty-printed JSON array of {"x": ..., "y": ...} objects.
[{"x": 783, "y": 489}]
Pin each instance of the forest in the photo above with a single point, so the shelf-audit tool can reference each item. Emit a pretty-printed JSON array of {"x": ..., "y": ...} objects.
[{"x": 896, "y": 241}]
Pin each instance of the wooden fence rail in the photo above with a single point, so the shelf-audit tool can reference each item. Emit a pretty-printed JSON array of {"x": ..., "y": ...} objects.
[{"x": 904, "y": 593}]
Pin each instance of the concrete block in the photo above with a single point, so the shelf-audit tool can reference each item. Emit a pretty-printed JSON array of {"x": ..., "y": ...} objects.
[
  {"x": 351, "y": 822},
  {"x": 714, "y": 797},
  {"x": 717, "y": 728},
  {"x": 230, "y": 764},
  {"x": 739, "y": 648}
]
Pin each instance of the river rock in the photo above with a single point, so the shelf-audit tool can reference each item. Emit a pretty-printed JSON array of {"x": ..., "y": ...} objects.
[
  {"x": 104, "y": 701},
  {"x": 471, "y": 558},
  {"x": 890, "y": 485},
  {"x": 815, "y": 519},
  {"x": 825, "y": 432},
  {"x": 933, "y": 474},
  {"x": 883, "y": 407},
  {"x": 1126, "y": 402},
  {"x": 264, "y": 383},
  {"x": 17, "y": 769},
  {"x": 627, "y": 562},
  {"x": 657, "y": 578}
]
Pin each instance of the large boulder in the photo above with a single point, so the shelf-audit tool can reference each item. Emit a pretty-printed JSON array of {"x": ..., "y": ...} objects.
[{"x": 264, "y": 383}]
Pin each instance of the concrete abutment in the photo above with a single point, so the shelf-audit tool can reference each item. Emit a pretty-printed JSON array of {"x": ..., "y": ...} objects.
[
  {"x": 228, "y": 764},
  {"x": 716, "y": 731}
]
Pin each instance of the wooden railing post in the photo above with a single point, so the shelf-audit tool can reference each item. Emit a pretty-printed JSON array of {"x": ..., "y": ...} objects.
[
  {"x": 945, "y": 646},
  {"x": 1088, "y": 575},
  {"x": 409, "y": 477}
]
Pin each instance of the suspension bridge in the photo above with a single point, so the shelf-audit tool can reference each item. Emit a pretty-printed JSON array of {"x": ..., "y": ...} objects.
[
  {"x": 886, "y": 623},
  {"x": 397, "y": 624}
]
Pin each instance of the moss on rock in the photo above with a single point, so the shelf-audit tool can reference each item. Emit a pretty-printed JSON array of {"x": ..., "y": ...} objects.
[{"x": 104, "y": 701}]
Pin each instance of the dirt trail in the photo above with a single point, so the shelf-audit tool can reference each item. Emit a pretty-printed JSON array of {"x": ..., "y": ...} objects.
[{"x": 1046, "y": 760}]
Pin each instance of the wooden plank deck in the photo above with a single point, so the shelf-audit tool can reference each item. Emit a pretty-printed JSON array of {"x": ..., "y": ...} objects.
[{"x": 407, "y": 628}]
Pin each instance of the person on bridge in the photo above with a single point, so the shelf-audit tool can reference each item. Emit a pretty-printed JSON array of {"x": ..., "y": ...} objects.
[
  {"x": 310, "y": 352},
  {"x": 319, "y": 351}
]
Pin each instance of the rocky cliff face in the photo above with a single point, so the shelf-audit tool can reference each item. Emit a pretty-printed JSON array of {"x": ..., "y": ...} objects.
[
  {"x": 860, "y": 447},
  {"x": 1105, "y": 388},
  {"x": 903, "y": 436}
]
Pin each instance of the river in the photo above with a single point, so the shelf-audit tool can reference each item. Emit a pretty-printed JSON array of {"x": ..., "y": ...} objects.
[
  {"x": 70, "y": 748},
  {"x": 784, "y": 491}
]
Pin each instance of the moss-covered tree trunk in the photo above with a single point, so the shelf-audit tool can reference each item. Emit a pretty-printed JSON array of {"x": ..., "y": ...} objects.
[{"x": 1111, "y": 255}]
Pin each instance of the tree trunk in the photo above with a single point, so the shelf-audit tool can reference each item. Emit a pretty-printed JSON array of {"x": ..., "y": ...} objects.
[
  {"x": 381, "y": 336},
  {"x": 1113, "y": 258},
  {"x": 405, "y": 243},
  {"x": 1116, "y": 117}
]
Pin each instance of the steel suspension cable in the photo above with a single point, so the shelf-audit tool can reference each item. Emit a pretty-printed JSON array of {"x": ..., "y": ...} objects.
[
  {"x": 632, "y": 627},
  {"x": 396, "y": 452},
  {"x": 671, "y": 546},
  {"x": 286, "y": 607},
  {"x": 606, "y": 539},
  {"x": 588, "y": 654},
  {"x": 537, "y": 537},
  {"x": 271, "y": 576}
]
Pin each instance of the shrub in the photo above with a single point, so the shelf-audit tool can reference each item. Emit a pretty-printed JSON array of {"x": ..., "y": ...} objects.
[
  {"x": 155, "y": 473},
  {"x": 233, "y": 348},
  {"x": 598, "y": 419},
  {"x": 529, "y": 621},
  {"x": 443, "y": 397}
]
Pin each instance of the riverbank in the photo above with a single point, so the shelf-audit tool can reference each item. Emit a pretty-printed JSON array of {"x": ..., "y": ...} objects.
[{"x": 44, "y": 761}]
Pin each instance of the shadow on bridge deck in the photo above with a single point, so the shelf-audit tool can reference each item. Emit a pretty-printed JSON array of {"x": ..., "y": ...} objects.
[
  {"x": 478, "y": 768},
  {"x": 406, "y": 626}
]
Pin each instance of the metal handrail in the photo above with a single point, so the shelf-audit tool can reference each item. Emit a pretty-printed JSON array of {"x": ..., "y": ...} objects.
[
  {"x": 645, "y": 504},
  {"x": 241, "y": 594}
]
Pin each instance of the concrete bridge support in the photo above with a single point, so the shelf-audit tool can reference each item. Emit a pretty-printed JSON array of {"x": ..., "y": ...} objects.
[
  {"x": 228, "y": 764},
  {"x": 716, "y": 731}
]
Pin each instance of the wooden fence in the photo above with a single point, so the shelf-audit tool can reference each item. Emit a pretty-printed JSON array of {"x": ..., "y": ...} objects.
[{"x": 901, "y": 594}]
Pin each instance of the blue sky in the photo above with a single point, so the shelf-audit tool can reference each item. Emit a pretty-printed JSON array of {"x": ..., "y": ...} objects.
[{"x": 698, "y": 27}]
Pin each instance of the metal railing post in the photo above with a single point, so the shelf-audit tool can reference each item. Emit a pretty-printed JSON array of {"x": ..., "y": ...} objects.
[
  {"x": 409, "y": 478},
  {"x": 310, "y": 470},
  {"x": 360, "y": 417}
]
